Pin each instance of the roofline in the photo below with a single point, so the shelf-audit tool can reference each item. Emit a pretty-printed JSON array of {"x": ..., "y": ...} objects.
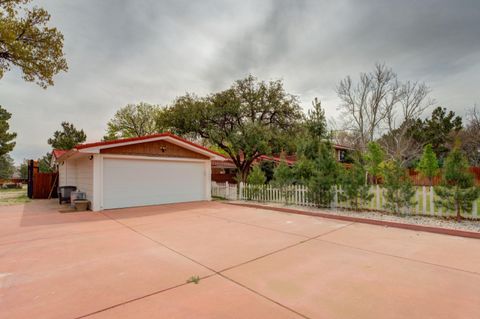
[{"x": 132, "y": 140}]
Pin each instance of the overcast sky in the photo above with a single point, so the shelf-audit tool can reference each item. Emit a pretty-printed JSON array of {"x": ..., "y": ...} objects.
[{"x": 123, "y": 52}]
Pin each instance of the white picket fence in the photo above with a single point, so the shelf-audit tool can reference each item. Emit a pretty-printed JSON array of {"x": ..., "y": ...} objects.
[{"x": 298, "y": 195}]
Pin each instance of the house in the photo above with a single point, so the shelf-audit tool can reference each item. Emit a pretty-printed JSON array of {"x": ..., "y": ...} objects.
[
  {"x": 148, "y": 170},
  {"x": 225, "y": 170}
]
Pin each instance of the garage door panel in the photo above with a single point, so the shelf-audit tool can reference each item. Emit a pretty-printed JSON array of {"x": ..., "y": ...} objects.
[{"x": 129, "y": 183}]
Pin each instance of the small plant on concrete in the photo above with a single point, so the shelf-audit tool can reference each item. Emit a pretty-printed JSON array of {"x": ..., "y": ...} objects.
[
  {"x": 457, "y": 192},
  {"x": 399, "y": 190},
  {"x": 194, "y": 279},
  {"x": 428, "y": 164}
]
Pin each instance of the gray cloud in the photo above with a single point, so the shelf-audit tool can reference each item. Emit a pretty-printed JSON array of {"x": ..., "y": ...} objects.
[{"x": 121, "y": 52}]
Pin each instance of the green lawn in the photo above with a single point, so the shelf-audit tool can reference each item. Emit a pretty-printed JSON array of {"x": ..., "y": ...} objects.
[{"x": 13, "y": 196}]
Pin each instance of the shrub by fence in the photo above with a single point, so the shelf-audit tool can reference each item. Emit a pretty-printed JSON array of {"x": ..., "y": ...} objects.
[{"x": 424, "y": 199}]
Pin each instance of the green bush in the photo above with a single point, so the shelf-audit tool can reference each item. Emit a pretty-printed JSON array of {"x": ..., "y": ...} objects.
[
  {"x": 458, "y": 191},
  {"x": 256, "y": 179},
  {"x": 398, "y": 188},
  {"x": 354, "y": 188}
]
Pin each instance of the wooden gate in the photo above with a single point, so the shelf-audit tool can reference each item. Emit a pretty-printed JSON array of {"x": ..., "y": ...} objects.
[{"x": 41, "y": 185}]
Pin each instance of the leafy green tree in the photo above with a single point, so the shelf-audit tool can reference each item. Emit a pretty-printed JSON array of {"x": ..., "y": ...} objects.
[
  {"x": 134, "y": 120},
  {"x": 321, "y": 184},
  {"x": 398, "y": 188},
  {"x": 354, "y": 188},
  {"x": 7, "y": 166},
  {"x": 6, "y": 138},
  {"x": 457, "y": 192},
  {"x": 45, "y": 164},
  {"x": 428, "y": 164},
  {"x": 437, "y": 130},
  {"x": 67, "y": 138},
  {"x": 374, "y": 156},
  {"x": 23, "y": 170},
  {"x": 27, "y": 42},
  {"x": 250, "y": 119}
]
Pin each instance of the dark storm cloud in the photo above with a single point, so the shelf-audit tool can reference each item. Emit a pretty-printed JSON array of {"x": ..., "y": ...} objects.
[{"x": 128, "y": 51}]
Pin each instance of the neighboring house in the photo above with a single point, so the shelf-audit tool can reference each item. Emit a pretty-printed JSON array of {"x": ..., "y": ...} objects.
[
  {"x": 225, "y": 170},
  {"x": 149, "y": 170}
]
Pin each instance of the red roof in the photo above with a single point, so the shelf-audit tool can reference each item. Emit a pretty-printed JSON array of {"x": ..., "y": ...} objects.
[
  {"x": 146, "y": 137},
  {"x": 58, "y": 153}
]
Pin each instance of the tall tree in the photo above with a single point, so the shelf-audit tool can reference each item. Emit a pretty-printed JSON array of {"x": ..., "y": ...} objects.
[
  {"x": 470, "y": 136},
  {"x": 439, "y": 130},
  {"x": 6, "y": 138},
  {"x": 7, "y": 166},
  {"x": 67, "y": 138},
  {"x": 428, "y": 164},
  {"x": 134, "y": 120},
  {"x": 365, "y": 104},
  {"x": 27, "y": 42},
  {"x": 458, "y": 191},
  {"x": 379, "y": 105},
  {"x": 250, "y": 119},
  {"x": 400, "y": 117}
]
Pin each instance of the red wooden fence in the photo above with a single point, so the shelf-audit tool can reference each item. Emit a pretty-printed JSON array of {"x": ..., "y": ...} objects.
[
  {"x": 41, "y": 185},
  {"x": 419, "y": 180}
]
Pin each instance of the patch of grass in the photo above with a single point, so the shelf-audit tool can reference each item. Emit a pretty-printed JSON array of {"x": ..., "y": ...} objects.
[
  {"x": 194, "y": 279},
  {"x": 21, "y": 199},
  {"x": 9, "y": 190}
]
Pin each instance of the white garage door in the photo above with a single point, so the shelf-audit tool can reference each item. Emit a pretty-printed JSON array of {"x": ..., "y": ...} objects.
[{"x": 129, "y": 182}]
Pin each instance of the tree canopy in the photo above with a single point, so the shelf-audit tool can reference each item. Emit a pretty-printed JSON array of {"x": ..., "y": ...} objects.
[
  {"x": 250, "y": 119},
  {"x": 27, "y": 42},
  {"x": 67, "y": 137},
  {"x": 134, "y": 120},
  {"x": 437, "y": 130},
  {"x": 6, "y": 138}
]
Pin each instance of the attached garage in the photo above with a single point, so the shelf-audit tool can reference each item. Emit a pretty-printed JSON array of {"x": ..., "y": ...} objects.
[{"x": 150, "y": 170}]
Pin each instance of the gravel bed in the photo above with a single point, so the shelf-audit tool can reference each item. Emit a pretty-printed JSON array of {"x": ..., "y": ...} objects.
[{"x": 468, "y": 225}]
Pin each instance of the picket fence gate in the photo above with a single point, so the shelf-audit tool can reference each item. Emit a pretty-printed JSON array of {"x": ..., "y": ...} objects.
[{"x": 298, "y": 195}]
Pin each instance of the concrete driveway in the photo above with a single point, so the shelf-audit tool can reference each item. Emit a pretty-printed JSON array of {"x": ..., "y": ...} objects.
[{"x": 252, "y": 263}]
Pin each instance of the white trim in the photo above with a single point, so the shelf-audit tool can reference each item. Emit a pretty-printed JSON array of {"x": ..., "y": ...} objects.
[
  {"x": 96, "y": 149},
  {"x": 208, "y": 180},
  {"x": 97, "y": 200},
  {"x": 155, "y": 158}
]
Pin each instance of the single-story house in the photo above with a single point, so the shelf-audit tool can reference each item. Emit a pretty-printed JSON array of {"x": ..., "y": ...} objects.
[
  {"x": 140, "y": 171},
  {"x": 225, "y": 170}
]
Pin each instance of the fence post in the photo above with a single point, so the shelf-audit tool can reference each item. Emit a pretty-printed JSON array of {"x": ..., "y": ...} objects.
[
  {"x": 432, "y": 207},
  {"x": 241, "y": 191},
  {"x": 227, "y": 190},
  {"x": 474, "y": 208},
  {"x": 335, "y": 197},
  {"x": 417, "y": 198},
  {"x": 424, "y": 199},
  {"x": 377, "y": 197}
]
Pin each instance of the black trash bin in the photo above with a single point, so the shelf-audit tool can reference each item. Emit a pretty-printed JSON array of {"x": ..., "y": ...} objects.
[{"x": 64, "y": 193}]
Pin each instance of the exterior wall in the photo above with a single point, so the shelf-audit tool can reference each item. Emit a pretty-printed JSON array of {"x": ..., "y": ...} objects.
[
  {"x": 156, "y": 148},
  {"x": 84, "y": 176},
  {"x": 67, "y": 173}
]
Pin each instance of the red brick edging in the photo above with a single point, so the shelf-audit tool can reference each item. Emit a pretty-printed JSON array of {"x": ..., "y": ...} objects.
[{"x": 430, "y": 229}]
